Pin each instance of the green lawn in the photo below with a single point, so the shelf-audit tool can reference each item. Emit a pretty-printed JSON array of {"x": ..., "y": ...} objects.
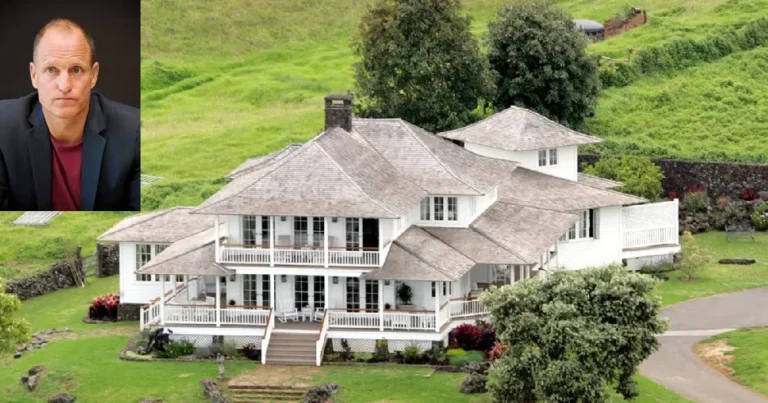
[
  {"x": 750, "y": 358},
  {"x": 715, "y": 278}
]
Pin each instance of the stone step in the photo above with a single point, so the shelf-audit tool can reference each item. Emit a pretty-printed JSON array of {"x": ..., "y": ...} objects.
[
  {"x": 290, "y": 346},
  {"x": 308, "y": 361},
  {"x": 271, "y": 395}
]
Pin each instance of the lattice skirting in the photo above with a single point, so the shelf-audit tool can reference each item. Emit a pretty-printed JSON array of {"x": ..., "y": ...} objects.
[
  {"x": 638, "y": 262},
  {"x": 207, "y": 340},
  {"x": 369, "y": 345}
]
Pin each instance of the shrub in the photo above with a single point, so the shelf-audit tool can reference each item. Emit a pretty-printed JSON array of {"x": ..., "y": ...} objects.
[
  {"x": 104, "y": 307},
  {"x": 466, "y": 336},
  {"x": 251, "y": 352},
  {"x": 486, "y": 339},
  {"x": 363, "y": 357},
  {"x": 142, "y": 340},
  {"x": 346, "y": 351},
  {"x": 411, "y": 354},
  {"x": 462, "y": 357},
  {"x": 692, "y": 256},
  {"x": 695, "y": 202},
  {"x": 381, "y": 353},
  {"x": 436, "y": 355},
  {"x": 203, "y": 352},
  {"x": 497, "y": 350},
  {"x": 639, "y": 175},
  {"x": 760, "y": 218},
  {"x": 229, "y": 349},
  {"x": 177, "y": 348},
  {"x": 748, "y": 194}
]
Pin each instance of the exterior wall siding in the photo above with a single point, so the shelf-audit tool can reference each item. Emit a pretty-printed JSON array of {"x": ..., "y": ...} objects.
[
  {"x": 132, "y": 291},
  {"x": 567, "y": 159},
  {"x": 582, "y": 253}
]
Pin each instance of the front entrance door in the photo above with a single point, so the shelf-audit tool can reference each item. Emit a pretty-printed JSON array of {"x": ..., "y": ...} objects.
[{"x": 301, "y": 291}]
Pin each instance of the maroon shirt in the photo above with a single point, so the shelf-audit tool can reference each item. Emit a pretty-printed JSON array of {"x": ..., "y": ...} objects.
[{"x": 66, "y": 164}]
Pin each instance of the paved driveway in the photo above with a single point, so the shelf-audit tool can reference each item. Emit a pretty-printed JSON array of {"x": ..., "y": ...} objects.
[{"x": 676, "y": 367}]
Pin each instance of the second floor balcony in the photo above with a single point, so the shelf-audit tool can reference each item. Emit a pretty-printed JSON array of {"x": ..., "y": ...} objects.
[{"x": 303, "y": 255}]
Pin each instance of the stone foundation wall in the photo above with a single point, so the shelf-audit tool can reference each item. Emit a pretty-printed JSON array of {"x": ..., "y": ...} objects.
[
  {"x": 720, "y": 178},
  {"x": 128, "y": 311},
  {"x": 108, "y": 259},
  {"x": 57, "y": 277}
]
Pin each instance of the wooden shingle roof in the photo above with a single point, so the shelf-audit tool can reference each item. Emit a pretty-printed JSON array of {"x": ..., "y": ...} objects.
[{"x": 162, "y": 226}]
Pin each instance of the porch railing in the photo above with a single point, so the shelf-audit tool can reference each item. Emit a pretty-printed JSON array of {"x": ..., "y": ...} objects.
[
  {"x": 206, "y": 315},
  {"x": 245, "y": 315},
  {"x": 650, "y": 237},
  {"x": 370, "y": 319},
  {"x": 149, "y": 314},
  {"x": 267, "y": 335},
  {"x": 321, "y": 339},
  {"x": 305, "y": 255},
  {"x": 463, "y": 307},
  {"x": 652, "y": 224}
]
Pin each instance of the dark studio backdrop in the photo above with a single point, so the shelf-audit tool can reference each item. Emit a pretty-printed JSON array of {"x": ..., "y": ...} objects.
[{"x": 113, "y": 24}]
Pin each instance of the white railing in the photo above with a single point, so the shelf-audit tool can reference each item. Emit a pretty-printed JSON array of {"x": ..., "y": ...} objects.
[
  {"x": 190, "y": 314},
  {"x": 244, "y": 316},
  {"x": 362, "y": 319},
  {"x": 443, "y": 315},
  {"x": 353, "y": 258},
  {"x": 321, "y": 338},
  {"x": 650, "y": 237},
  {"x": 404, "y": 320},
  {"x": 307, "y": 256},
  {"x": 460, "y": 308},
  {"x": 231, "y": 254},
  {"x": 150, "y": 314},
  {"x": 267, "y": 335},
  {"x": 650, "y": 224}
]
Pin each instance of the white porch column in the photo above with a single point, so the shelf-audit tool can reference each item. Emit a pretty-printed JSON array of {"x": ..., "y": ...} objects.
[
  {"x": 272, "y": 244},
  {"x": 325, "y": 251},
  {"x": 381, "y": 305},
  {"x": 216, "y": 241},
  {"x": 438, "y": 290},
  {"x": 162, "y": 301},
  {"x": 218, "y": 301},
  {"x": 527, "y": 272},
  {"x": 326, "y": 293},
  {"x": 272, "y": 286},
  {"x": 175, "y": 284},
  {"x": 557, "y": 253}
]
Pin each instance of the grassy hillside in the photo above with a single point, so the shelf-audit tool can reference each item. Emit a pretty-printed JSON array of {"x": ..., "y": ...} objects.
[{"x": 223, "y": 81}]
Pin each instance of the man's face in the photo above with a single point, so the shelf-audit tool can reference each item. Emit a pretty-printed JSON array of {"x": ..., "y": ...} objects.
[{"x": 62, "y": 74}]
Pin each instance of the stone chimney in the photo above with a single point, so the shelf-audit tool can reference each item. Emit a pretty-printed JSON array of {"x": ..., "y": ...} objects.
[{"x": 338, "y": 112}]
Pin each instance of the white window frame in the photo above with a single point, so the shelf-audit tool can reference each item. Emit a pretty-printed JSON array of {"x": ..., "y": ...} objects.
[
  {"x": 580, "y": 230},
  {"x": 446, "y": 207},
  {"x": 542, "y": 158},
  {"x": 553, "y": 156},
  {"x": 250, "y": 228},
  {"x": 140, "y": 255},
  {"x": 548, "y": 157},
  {"x": 424, "y": 210}
]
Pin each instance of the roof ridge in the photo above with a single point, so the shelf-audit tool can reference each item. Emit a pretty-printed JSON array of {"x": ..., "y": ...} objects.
[
  {"x": 562, "y": 125},
  {"x": 444, "y": 243},
  {"x": 163, "y": 212},
  {"x": 410, "y": 252},
  {"x": 352, "y": 180},
  {"x": 474, "y": 123},
  {"x": 450, "y": 171},
  {"x": 486, "y": 236}
]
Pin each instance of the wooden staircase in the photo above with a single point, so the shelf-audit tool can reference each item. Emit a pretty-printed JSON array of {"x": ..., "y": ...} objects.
[
  {"x": 292, "y": 349},
  {"x": 266, "y": 393}
]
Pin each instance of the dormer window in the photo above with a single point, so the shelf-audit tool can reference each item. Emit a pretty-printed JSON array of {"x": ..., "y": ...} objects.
[
  {"x": 585, "y": 228},
  {"x": 548, "y": 157},
  {"x": 439, "y": 208}
]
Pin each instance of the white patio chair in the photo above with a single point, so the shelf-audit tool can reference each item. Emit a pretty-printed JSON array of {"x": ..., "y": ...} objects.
[
  {"x": 288, "y": 311},
  {"x": 319, "y": 314}
]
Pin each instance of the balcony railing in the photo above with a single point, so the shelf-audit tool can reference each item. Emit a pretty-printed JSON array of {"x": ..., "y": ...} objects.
[
  {"x": 206, "y": 315},
  {"x": 405, "y": 320},
  {"x": 303, "y": 255},
  {"x": 650, "y": 225}
]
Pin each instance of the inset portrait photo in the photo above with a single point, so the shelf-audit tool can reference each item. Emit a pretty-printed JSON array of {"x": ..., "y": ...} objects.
[{"x": 69, "y": 105}]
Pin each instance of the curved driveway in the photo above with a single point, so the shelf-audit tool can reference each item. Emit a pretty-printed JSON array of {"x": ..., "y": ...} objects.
[{"x": 676, "y": 367}]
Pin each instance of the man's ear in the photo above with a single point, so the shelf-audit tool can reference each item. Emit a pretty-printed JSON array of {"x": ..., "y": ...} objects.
[
  {"x": 95, "y": 76},
  {"x": 33, "y": 74}
]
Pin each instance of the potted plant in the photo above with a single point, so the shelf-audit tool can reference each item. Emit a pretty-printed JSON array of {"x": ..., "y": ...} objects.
[
  {"x": 387, "y": 306},
  {"x": 231, "y": 302},
  {"x": 404, "y": 294}
]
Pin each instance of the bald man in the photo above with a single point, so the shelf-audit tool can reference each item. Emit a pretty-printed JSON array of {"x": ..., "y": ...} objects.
[{"x": 66, "y": 147}]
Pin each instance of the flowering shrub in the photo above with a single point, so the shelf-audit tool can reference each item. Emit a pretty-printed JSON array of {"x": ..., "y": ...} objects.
[
  {"x": 697, "y": 188},
  {"x": 673, "y": 195},
  {"x": 466, "y": 336},
  {"x": 748, "y": 194},
  {"x": 497, "y": 350},
  {"x": 695, "y": 199},
  {"x": 760, "y": 218},
  {"x": 104, "y": 307}
]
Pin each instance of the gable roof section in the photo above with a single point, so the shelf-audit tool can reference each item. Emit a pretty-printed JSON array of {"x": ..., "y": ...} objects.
[
  {"x": 335, "y": 174},
  {"x": 526, "y": 231},
  {"x": 163, "y": 226},
  {"x": 597, "y": 182},
  {"x": 519, "y": 129},
  {"x": 193, "y": 255},
  {"x": 252, "y": 164},
  {"x": 475, "y": 245},
  {"x": 535, "y": 189},
  {"x": 438, "y": 166}
]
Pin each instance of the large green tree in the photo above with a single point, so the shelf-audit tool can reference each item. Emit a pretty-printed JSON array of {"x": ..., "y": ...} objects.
[
  {"x": 639, "y": 175},
  {"x": 572, "y": 335},
  {"x": 539, "y": 61},
  {"x": 12, "y": 330},
  {"x": 419, "y": 62}
]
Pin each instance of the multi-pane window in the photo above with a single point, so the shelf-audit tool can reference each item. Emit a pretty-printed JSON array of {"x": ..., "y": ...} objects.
[
  {"x": 158, "y": 249},
  {"x": 553, "y": 156},
  {"x": 445, "y": 288},
  {"x": 143, "y": 256},
  {"x": 265, "y": 231},
  {"x": 452, "y": 213},
  {"x": 438, "y": 202},
  {"x": 265, "y": 293},
  {"x": 353, "y": 233},
  {"x": 353, "y": 293},
  {"x": 542, "y": 158},
  {"x": 586, "y": 227},
  {"x": 425, "y": 209},
  {"x": 249, "y": 229},
  {"x": 300, "y": 231},
  {"x": 584, "y": 224},
  {"x": 318, "y": 231},
  {"x": 250, "y": 292},
  {"x": 552, "y": 160},
  {"x": 371, "y": 294},
  {"x": 319, "y": 292}
]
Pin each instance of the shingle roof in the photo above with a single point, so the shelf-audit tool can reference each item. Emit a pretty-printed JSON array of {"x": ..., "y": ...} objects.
[
  {"x": 475, "y": 245},
  {"x": 163, "y": 226},
  {"x": 530, "y": 188},
  {"x": 526, "y": 231},
  {"x": 438, "y": 166},
  {"x": 403, "y": 265},
  {"x": 597, "y": 182},
  {"x": 335, "y": 174},
  {"x": 262, "y": 161},
  {"x": 193, "y": 255},
  {"x": 519, "y": 129}
]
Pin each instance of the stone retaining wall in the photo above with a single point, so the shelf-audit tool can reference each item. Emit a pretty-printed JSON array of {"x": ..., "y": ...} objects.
[
  {"x": 108, "y": 258},
  {"x": 58, "y": 276},
  {"x": 128, "y": 311}
]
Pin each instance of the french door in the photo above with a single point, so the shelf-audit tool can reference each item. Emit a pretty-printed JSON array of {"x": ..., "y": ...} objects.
[
  {"x": 301, "y": 291},
  {"x": 353, "y": 293},
  {"x": 319, "y": 293}
]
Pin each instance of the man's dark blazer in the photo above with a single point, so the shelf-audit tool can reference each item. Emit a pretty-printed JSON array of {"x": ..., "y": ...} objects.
[{"x": 110, "y": 175}]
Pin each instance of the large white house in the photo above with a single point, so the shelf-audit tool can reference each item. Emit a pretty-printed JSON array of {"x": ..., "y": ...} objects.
[{"x": 315, "y": 242}]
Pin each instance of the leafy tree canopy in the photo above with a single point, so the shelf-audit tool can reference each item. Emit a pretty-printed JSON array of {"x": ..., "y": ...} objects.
[
  {"x": 12, "y": 331},
  {"x": 640, "y": 176}
]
